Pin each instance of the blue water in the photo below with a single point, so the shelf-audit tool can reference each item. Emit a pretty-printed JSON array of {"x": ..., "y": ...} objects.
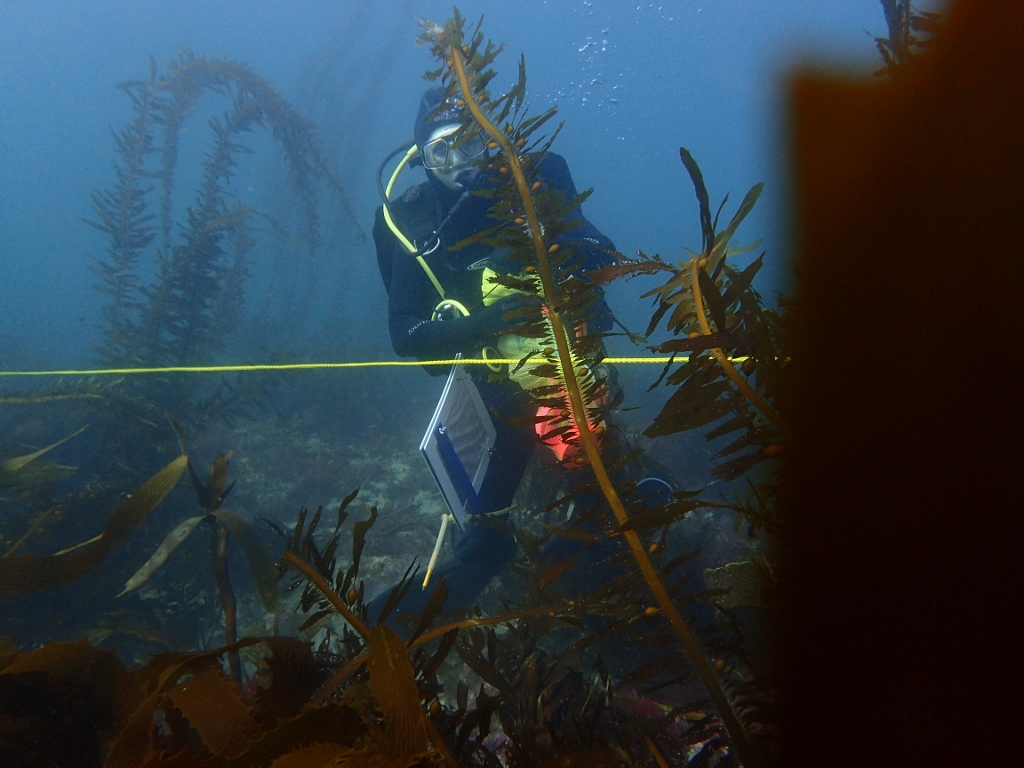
[{"x": 633, "y": 82}]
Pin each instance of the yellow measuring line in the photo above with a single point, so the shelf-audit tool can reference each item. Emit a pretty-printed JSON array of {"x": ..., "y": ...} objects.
[{"x": 312, "y": 366}]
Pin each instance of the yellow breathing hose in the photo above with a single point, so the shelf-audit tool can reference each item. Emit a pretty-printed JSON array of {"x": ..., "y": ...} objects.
[{"x": 410, "y": 153}]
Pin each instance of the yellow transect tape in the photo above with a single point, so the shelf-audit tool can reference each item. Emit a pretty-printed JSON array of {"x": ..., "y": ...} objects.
[{"x": 314, "y": 366}]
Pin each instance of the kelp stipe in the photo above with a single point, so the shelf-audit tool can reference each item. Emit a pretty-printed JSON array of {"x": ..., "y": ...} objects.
[{"x": 464, "y": 71}]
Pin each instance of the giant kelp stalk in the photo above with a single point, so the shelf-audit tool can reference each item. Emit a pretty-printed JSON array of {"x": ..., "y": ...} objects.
[
  {"x": 533, "y": 218},
  {"x": 185, "y": 313}
]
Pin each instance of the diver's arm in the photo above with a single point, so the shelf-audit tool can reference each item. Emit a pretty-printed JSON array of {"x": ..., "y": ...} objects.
[
  {"x": 411, "y": 299},
  {"x": 597, "y": 248},
  {"x": 415, "y": 335},
  {"x": 587, "y": 240},
  {"x": 443, "y": 339}
]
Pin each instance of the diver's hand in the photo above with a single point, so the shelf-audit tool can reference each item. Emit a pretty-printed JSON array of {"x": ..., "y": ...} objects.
[
  {"x": 428, "y": 340},
  {"x": 504, "y": 314}
]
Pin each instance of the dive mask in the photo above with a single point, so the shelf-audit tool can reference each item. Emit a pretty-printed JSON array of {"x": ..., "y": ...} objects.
[{"x": 445, "y": 149}]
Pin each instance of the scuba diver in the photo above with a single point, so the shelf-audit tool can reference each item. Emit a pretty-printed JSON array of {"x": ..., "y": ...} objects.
[{"x": 441, "y": 303}]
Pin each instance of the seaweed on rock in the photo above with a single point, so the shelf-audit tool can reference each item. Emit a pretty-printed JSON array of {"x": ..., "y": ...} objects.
[
  {"x": 591, "y": 679},
  {"x": 365, "y": 694}
]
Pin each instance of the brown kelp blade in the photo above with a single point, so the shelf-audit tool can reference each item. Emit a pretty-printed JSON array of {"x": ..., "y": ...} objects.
[
  {"x": 393, "y": 684},
  {"x": 170, "y": 543},
  {"x": 31, "y": 573},
  {"x": 15, "y": 463}
]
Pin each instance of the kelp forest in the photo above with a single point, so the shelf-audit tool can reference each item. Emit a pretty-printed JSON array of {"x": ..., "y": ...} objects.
[
  {"x": 160, "y": 612},
  {"x": 174, "y": 285}
]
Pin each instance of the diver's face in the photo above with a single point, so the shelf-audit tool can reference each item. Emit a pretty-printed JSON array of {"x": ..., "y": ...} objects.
[{"x": 453, "y": 166}]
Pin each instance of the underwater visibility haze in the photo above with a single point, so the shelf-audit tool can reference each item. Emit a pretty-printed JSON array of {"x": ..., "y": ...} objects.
[
  {"x": 632, "y": 83},
  {"x": 191, "y": 185}
]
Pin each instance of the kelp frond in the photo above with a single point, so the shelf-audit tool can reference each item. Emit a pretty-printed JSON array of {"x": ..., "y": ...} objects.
[
  {"x": 714, "y": 314},
  {"x": 185, "y": 314},
  {"x": 16, "y": 463},
  {"x": 210, "y": 494},
  {"x": 535, "y": 217},
  {"x": 31, "y": 573}
]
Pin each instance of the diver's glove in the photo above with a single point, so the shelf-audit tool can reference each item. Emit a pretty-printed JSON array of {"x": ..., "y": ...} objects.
[
  {"x": 446, "y": 337},
  {"x": 503, "y": 315}
]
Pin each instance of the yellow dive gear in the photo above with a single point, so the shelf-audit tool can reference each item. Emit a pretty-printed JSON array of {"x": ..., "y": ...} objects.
[
  {"x": 446, "y": 309},
  {"x": 409, "y": 155},
  {"x": 510, "y": 346}
]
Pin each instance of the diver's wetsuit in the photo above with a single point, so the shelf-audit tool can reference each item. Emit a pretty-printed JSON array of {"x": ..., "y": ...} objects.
[
  {"x": 411, "y": 296},
  {"x": 431, "y": 209}
]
